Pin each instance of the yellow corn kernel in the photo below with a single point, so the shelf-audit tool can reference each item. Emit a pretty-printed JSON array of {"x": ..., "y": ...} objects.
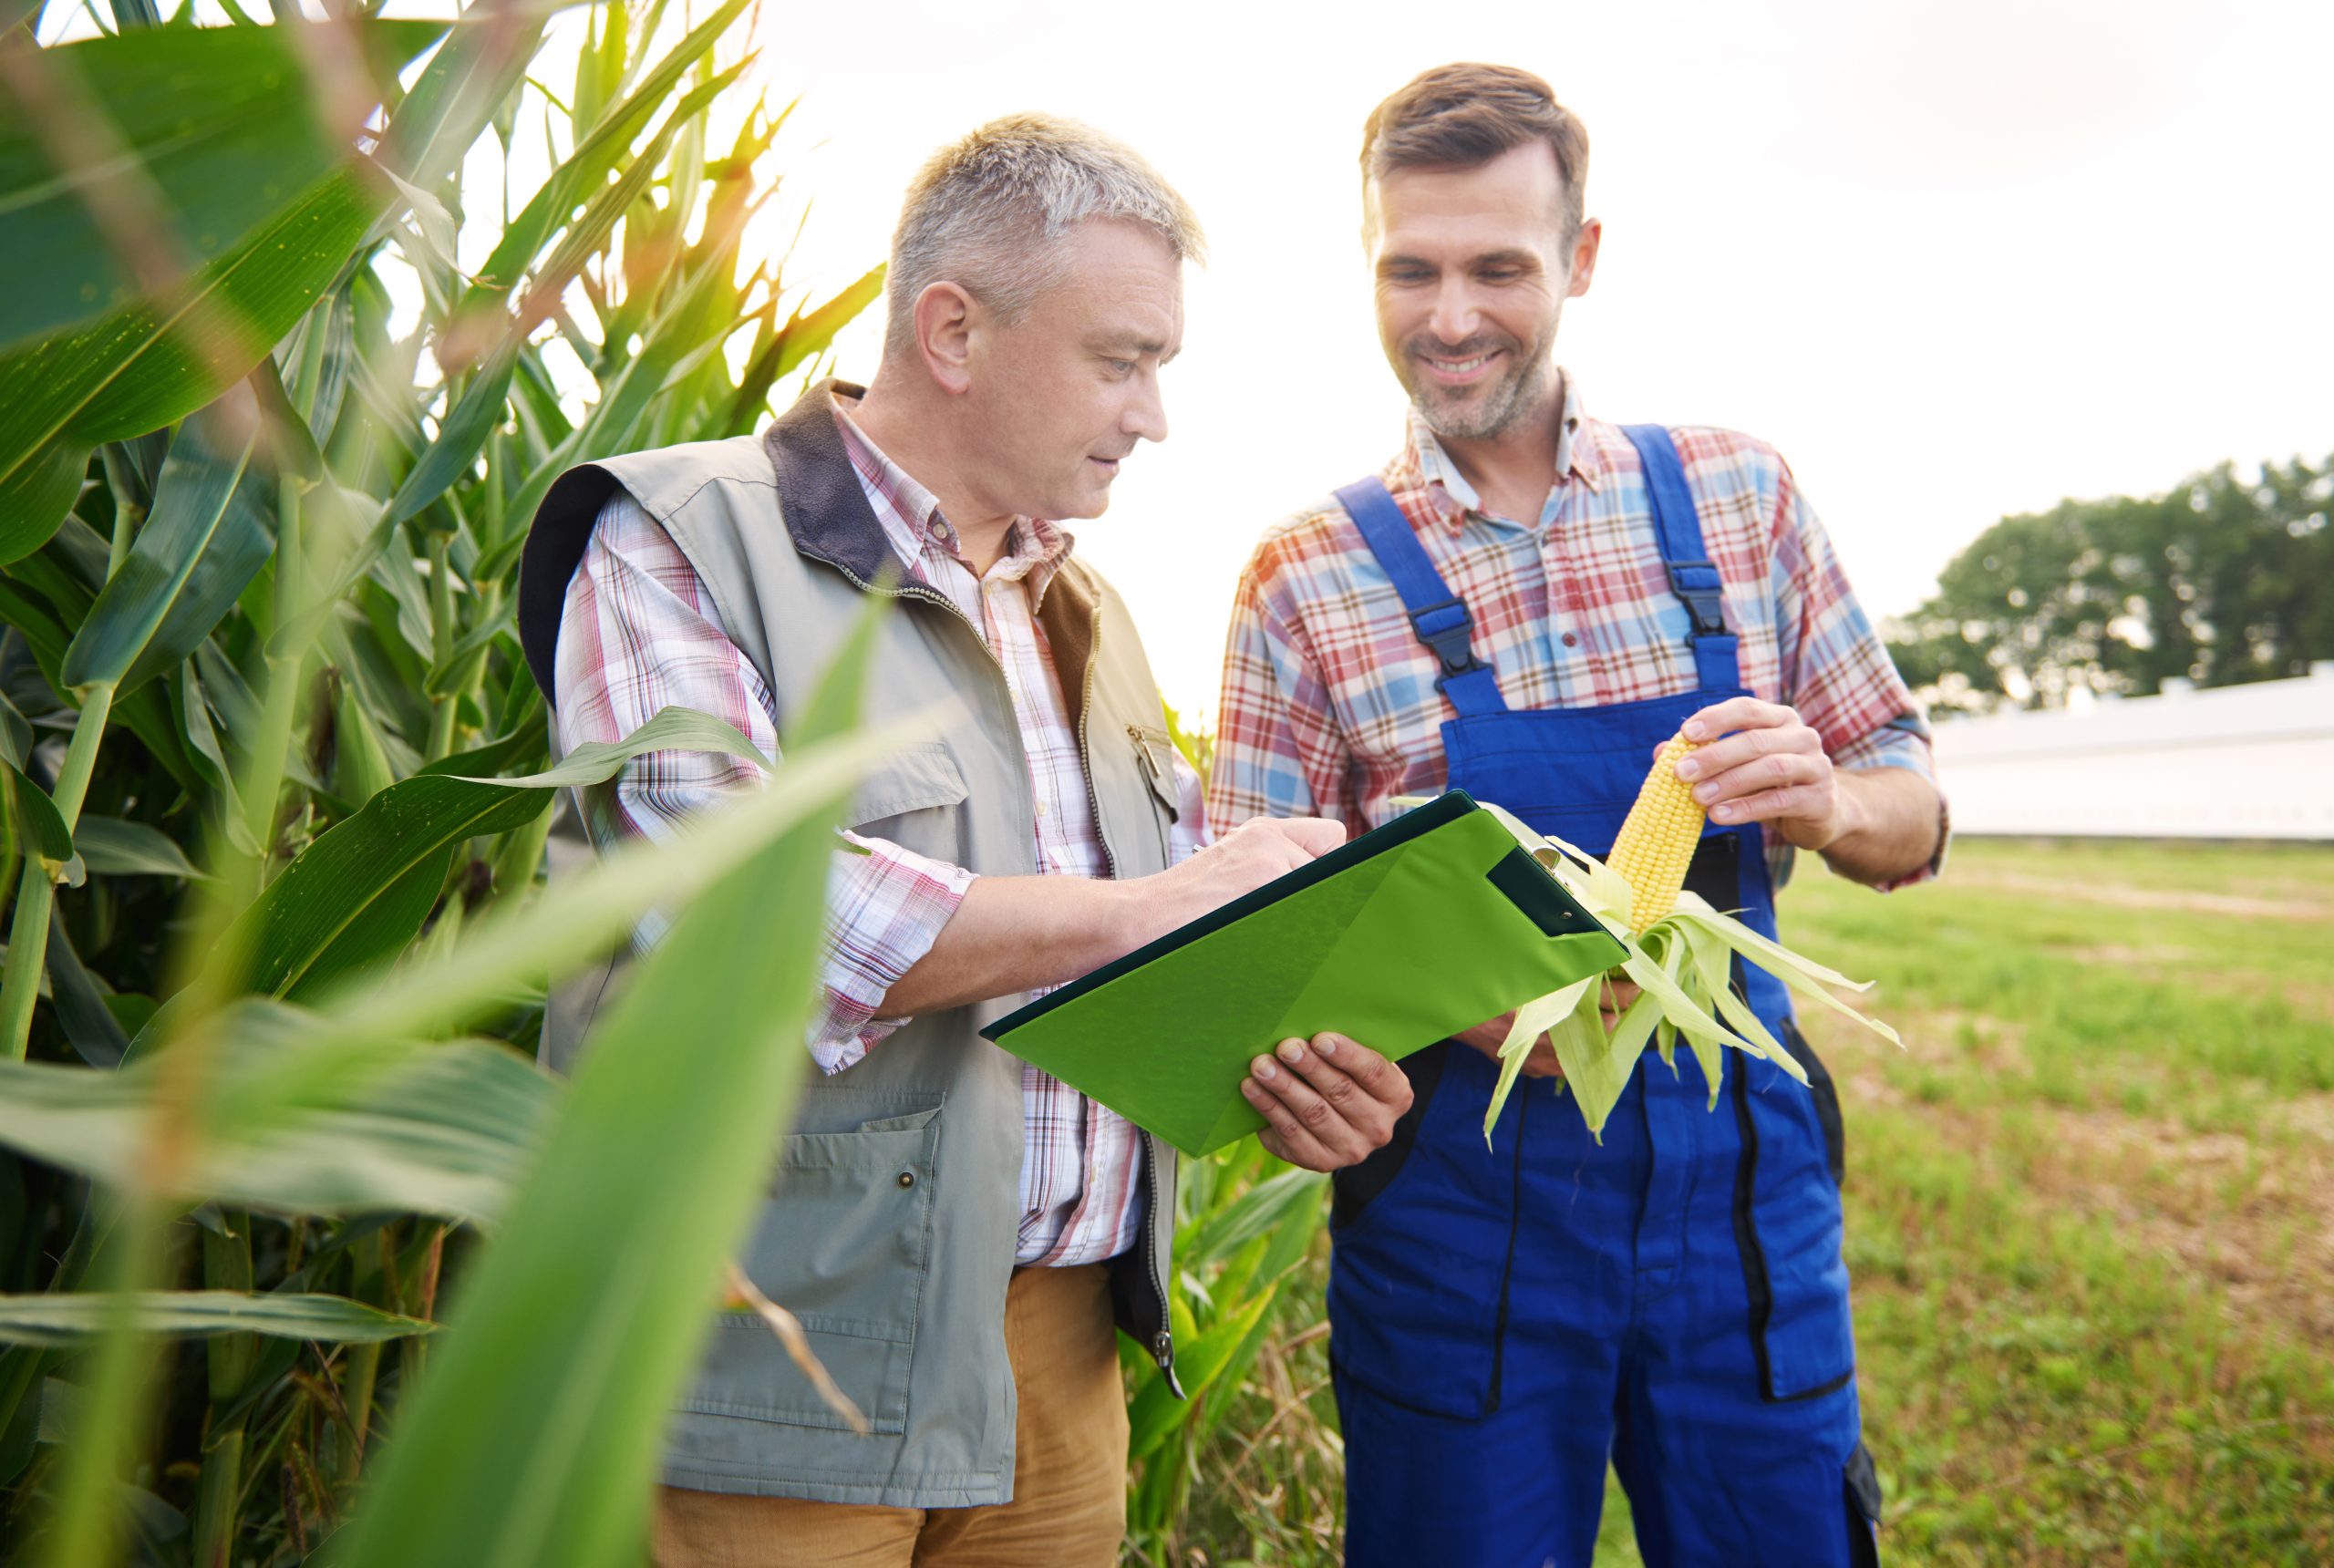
[{"x": 1657, "y": 841}]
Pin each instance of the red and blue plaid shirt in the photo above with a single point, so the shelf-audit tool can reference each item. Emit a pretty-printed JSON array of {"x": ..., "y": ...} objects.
[
  {"x": 640, "y": 632},
  {"x": 1329, "y": 706}
]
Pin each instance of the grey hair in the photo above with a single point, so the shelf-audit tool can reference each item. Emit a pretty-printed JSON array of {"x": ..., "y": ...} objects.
[{"x": 988, "y": 213}]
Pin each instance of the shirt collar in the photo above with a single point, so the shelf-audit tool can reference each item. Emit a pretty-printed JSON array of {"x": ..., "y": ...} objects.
[
  {"x": 917, "y": 529},
  {"x": 1448, "y": 490}
]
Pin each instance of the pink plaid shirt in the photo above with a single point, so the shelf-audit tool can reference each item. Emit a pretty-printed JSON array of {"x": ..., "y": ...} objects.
[
  {"x": 1329, "y": 705},
  {"x": 640, "y": 632}
]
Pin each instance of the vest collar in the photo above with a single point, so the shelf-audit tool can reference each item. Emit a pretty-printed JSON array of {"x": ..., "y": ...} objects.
[{"x": 826, "y": 511}]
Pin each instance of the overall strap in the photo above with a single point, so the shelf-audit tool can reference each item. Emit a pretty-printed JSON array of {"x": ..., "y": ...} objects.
[
  {"x": 1437, "y": 616},
  {"x": 1692, "y": 576}
]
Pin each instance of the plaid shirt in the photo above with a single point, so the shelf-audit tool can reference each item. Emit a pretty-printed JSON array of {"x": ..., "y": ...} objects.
[
  {"x": 640, "y": 632},
  {"x": 1329, "y": 705}
]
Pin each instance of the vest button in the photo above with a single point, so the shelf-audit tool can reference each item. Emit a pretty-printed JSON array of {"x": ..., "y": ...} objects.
[{"x": 907, "y": 1178}]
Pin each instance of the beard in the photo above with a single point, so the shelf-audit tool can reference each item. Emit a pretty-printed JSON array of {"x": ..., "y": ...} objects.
[{"x": 1483, "y": 412}]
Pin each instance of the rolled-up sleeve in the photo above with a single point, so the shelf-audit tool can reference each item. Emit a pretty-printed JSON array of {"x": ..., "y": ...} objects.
[
  {"x": 640, "y": 633},
  {"x": 1837, "y": 672}
]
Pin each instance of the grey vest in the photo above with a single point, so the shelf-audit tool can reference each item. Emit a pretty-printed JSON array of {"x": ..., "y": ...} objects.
[{"x": 895, "y": 1202}]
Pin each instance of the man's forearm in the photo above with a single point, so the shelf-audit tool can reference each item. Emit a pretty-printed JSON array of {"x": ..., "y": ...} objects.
[
  {"x": 1895, "y": 821},
  {"x": 1013, "y": 934}
]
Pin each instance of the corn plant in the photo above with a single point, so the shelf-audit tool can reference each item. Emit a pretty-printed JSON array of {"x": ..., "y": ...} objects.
[{"x": 274, "y": 797}]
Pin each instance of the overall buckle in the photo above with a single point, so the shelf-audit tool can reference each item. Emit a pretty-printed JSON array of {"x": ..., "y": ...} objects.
[
  {"x": 1448, "y": 629},
  {"x": 1696, "y": 585}
]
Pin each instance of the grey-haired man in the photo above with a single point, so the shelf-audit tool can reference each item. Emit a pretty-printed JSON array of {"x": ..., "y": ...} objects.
[{"x": 956, "y": 1231}]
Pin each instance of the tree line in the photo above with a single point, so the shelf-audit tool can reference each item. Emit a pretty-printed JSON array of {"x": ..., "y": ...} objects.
[{"x": 2219, "y": 580}]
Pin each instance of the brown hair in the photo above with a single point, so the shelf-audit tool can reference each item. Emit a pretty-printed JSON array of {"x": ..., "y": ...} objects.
[{"x": 1461, "y": 116}]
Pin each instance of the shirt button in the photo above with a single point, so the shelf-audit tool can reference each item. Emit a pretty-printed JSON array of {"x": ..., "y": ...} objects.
[{"x": 1571, "y": 641}]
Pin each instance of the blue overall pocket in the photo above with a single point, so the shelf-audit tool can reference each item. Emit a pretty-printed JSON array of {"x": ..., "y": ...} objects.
[
  {"x": 1787, "y": 1225},
  {"x": 1420, "y": 1262}
]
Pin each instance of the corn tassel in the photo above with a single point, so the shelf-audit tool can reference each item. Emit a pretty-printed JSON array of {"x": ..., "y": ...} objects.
[{"x": 1656, "y": 841}]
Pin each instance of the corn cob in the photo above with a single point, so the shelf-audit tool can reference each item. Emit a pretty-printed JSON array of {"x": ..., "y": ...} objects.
[{"x": 1658, "y": 840}]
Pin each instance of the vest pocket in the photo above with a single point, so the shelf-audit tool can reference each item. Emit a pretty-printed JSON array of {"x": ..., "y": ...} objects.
[
  {"x": 843, "y": 1243},
  {"x": 907, "y": 801}
]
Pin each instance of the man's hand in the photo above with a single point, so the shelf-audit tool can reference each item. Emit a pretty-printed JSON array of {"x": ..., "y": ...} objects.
[
  {"x": 1329, "y": 1103},
  {"x": 1872, "y": 824},
  {"x": 1772, "y": 768},
  {"x": 1241, "y": 861}
]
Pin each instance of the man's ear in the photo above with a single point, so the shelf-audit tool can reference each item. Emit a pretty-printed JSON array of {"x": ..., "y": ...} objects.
[
  {"x": 945, "y": 316},
  {"x": 1584, "y": 256}
]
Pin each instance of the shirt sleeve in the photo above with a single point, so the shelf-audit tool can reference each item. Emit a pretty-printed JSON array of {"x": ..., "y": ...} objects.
[
  {"x": 640, "y": 633},
  {"x": 1836, "y": 671},
  {"x": 1278, "y": 749}
]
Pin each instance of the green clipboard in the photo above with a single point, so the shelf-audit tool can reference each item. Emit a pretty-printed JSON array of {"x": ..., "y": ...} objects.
[{"x": 1410, "y": 932}]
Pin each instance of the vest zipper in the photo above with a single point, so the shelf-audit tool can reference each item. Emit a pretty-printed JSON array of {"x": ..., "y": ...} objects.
[{"x": 1162, "y": 1340}]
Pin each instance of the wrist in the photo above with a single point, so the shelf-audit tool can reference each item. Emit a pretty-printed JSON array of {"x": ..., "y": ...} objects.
[
  {"x": 1848, "y": 818},
  {"x": 1126, "y": 913}
]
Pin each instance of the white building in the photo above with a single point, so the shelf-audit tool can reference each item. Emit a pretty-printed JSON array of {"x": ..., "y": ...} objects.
[{"x": 2236, "y": 762}]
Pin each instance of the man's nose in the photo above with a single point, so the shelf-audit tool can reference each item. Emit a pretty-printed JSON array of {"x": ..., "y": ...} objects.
[
  {"x": 1455, "y": 318},
  {"x": 1146, "y": 413}
]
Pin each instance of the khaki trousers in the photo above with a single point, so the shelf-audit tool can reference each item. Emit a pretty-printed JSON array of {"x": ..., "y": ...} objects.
[{"x": 1069, "y": 1468}]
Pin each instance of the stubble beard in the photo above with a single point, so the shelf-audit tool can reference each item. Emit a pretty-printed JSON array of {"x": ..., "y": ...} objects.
[{"x": 1486, "y": 413}]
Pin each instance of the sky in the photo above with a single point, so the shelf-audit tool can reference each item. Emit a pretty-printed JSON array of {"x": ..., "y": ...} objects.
[{"x": 1957, "y": 261}]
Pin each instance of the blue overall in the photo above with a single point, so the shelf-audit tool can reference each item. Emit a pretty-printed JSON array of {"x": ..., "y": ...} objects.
[{"x": 1504, "y": 1321}]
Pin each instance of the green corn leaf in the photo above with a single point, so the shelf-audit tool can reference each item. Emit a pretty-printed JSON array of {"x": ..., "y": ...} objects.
[
  {"x": 42, "y": 830},
  {"x": 15, "y": 734},
  {"x": 535, "y": 1439},
  {"x": 200, "y": 546},
  {"x": 482, "y": 63},
  {"x": 361, "y": 765},
  {"x": 112, "y": 847},
  {"x": 1259, "y": 1210},
  {"x": 460, "y": 436},
  {"x": 595, "y": 158},
  {"x": 142, "y": 367},
  {"x": 210, "y": 130},
  {"x": 440, "y": 1129},
  {"x": 1200, "y": 1360},
  {"x": 360, "y": 893},
  {"x": 67, "y": 1319},
  {"x": 803, "y": 336},
  {"x": 95, "y": 1034}
]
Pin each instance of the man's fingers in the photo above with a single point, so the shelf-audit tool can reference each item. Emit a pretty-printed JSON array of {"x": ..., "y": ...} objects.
[
  {"x": 1736, "y": 713},
  {"x": 1780, "y": 770},
  {"x": 1771, "y": 806},
  {"x": 1375, "y": 1076},
  {"x": 1280, "y": 1080},
  {"x": 1295, "y": 1143},
  {"x": 1745, "y": 748},
  {"x": 1317, "y": 836}
]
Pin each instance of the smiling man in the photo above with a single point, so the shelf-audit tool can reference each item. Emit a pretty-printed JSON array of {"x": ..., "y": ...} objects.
[
  {"x": 1524, "y": 603},
  {"x": 956, "y": 1231}
]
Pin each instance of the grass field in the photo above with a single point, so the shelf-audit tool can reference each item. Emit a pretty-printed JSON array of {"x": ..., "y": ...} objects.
[{"x": 2091, "y": 1220}]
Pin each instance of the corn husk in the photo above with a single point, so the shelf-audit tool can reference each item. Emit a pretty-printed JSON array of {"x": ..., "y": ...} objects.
[{"x": 1681, "y": 964}]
